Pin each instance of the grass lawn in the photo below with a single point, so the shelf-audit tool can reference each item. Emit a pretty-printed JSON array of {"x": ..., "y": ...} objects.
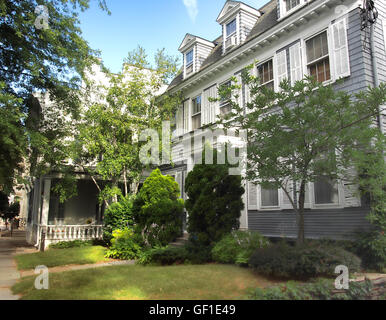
[
  {"x": 136, "y": 282},
  {"x": 61, "y": 257}
]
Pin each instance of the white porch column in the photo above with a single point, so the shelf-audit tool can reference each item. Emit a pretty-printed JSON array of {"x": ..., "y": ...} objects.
[{"x": 46, "y": 202}]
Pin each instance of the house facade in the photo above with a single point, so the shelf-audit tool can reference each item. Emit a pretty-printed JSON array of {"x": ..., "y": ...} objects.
[{"x": 328, "y": 39}]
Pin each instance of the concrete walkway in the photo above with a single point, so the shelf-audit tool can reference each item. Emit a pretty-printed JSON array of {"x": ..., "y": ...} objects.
[{"x": 9, "y": 246}]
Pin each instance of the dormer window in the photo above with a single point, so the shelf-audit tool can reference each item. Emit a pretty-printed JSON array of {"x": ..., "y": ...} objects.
[
  {"x": 231, "y": 28},
  {"x": 237, "y": 20},
  {"x": 289, "y": 6},
  {"x": 195, "y": 50}
]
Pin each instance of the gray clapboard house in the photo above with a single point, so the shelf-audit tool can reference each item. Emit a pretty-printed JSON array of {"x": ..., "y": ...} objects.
[{"x": 289, "y": 39}]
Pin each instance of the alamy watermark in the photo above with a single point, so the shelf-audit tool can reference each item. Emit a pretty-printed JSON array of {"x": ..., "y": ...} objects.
[
  {"x": 231, "y": 147},
  {"x": 41, "y": 21},
  {"x": 42, "y": 280},
  {"x": 342, "y": 281}
]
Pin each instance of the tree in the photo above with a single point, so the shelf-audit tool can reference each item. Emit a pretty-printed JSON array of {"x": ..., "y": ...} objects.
[
  {"x": 8, "y": 211},
  {"x": 214, "y": 201},
  {"x": 34, "y": 58},
  {"x": 303, "y": 133},
  {"x": 109, "y": 129},
  {"x": 158, "y": 209}
]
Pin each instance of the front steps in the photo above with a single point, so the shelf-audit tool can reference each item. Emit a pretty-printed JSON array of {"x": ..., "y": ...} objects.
[{"x": 181, "y": 241}]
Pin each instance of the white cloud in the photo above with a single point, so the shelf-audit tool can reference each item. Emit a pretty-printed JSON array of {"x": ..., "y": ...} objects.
[{"x": 191, "y": 6}]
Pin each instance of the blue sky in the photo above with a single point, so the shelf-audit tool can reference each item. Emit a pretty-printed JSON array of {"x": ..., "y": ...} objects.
[{"x": 153, "y": 24}]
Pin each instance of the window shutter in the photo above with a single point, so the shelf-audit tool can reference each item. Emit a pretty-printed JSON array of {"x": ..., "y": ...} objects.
[
  {"x": 205, "y": 108},
  {"x": 209, "y": 108},
  {"x": 252, "y": 196},
  {"x": 179, "y": 181},
  {"x": 180, "y": 120},
  {"x": 186, "y": 116},
  {"x": 295, "y": 53},
  {"x": 286, "y": 203},
  {"x": 281, "y": 68},
  {"x": 340, "y": 56}
]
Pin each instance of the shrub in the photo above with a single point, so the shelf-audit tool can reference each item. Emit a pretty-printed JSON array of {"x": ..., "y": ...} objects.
[
  {"x": 118, "y": 215},
  {"x": 238, "y": 246},
  {"x": 214, "y": 202},
  {"x": 371, "y": 247},
  {"x": 158, "y": 210},
  {"x": 164, "y": 256},
  {"x": 321, "y": 289},
  {"x": 124, "y": 245},
  {"x": 190, "y": 253},
  {"x": 198, "y": 253},
  {"x": 303, "y": 261},
  {"x": 71, "y": 244}
]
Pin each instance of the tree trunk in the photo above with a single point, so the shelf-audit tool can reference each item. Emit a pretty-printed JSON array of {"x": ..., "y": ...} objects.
[
  {"x": 125, "y": 179},
  {"x": 300, "y": 213}
]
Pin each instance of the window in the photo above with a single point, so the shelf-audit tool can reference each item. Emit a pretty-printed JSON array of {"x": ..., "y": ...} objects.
[
  {"x": 325, "y": 191},
  {"x": 231, "y": 28},
  {"x": 225, "y": 106},
  {"x": 265, "y": 72},
  {"x": 189, "y": 62},
  {"x": 318, "y": 60},
  {"x": 290, "y": 4},
  {"x": 196, "y": 113},
  {"x": 269, "y": 197}
]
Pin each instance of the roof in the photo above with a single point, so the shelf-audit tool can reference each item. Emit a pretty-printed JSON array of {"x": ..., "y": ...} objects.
[{"x": 267, "y": 20}]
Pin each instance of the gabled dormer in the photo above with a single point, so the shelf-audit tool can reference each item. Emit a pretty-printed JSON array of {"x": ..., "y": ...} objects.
[
  {"x": 194, "y": 50},
  {"x": 237, "y": 19},
  {"x": 287, "y": 7}
]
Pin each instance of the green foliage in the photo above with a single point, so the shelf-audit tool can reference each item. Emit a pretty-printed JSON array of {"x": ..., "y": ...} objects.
[
  {"x": 158, "y": 209},
  {"x": 318, "y": 290},
  {"x": 113, "y": 129},
  {"x": 371, "y": 247},
  {"x": 118, "y": 215},
  {"x": 238, "y": 246},
  {"x": 293, "y": 133},
  {"x": 71, "y": 244},
  {"x": 198, "y": 253},
  {"x": 164, "y": 256},
  {"x": 125, "y": 245},
  {"x": 49, "y": 61},
  {"x": 302, "y": 261},
  {"x": 214, "y": 201}
]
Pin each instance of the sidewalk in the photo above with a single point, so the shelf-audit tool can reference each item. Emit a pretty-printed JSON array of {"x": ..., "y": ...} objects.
[{"x": 8, "y": 271}]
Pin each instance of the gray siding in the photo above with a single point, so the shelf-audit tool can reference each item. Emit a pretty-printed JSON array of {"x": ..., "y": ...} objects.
[{"x": 319, "y": 224}]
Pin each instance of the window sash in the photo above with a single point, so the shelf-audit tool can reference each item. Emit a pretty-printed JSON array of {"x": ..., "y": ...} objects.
[
  {"x": 189, "y": 58},
  {"x": 317, "y": 47},
  {"x": 196, "y": 107},
  {"x": 196, "y": 121},
  {"x": 291, "y": 4},
  {"x": 231, "y": 28},
  {"x": 269, "y": 197},
  {"x": 265, "y": 72},
  {"x": 325, "y": 191}
]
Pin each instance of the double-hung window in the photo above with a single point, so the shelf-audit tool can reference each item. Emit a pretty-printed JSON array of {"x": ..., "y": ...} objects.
[
  {"x": 189, "y": 62},
  {"x": 291, "y": 4},
  {"x": 196, "y": 113},
  {"x": 325, "y": 191},
  {"x": 231, "y": 28},
  {"x": 225, "y": 105},
  {"x": 269, "y": 197},
  {"x": 318, "y": 58},
  {"x": 265, "y": 73}
]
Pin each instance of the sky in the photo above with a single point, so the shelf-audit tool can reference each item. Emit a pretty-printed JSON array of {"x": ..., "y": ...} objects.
[{"x": 152, "y": 24}]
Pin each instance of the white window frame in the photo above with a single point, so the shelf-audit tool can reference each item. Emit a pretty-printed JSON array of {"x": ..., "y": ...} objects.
[
  {"x": 273, "y": 69},
  {"x": 283, "y": 8},
  {"x": 270, "y": 208},
  {"x": 226, "y": 28},
  {"x": 330, "y": 56},
  {"x": 337, "y": 205},
  {"x": 193, "y": 115}
]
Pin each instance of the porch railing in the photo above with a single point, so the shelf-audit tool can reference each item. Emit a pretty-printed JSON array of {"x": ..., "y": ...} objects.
[{"x": 72, "y": 232}]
